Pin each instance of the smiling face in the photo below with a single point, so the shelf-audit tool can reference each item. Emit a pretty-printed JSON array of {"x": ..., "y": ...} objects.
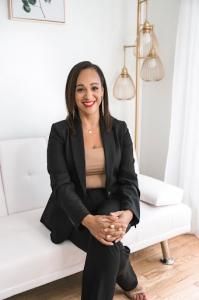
[{"x": 88, "y": 92}]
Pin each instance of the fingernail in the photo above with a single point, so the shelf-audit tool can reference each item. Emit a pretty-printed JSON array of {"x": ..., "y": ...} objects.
[
  {"x": 108, "y": 236},
  {"x": 106, "y": 229}
]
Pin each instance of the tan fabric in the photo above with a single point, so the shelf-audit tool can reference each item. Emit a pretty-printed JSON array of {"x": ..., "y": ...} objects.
[{"x": 95, "y": 168}]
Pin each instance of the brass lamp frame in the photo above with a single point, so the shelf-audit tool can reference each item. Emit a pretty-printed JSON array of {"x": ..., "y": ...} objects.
[
  {"x": 167, "y": 260},
  {"x": 140, "y": 26}
]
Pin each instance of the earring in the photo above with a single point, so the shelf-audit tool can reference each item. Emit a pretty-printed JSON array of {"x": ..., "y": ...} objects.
[{"x": 102, "y": 99}]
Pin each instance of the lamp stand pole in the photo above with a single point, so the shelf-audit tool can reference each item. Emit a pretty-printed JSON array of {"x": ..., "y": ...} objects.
[{"x": 137, "y": 125}]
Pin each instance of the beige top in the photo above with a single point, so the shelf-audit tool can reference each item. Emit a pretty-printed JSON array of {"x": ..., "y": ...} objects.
[{"x": 95, "y": 168}]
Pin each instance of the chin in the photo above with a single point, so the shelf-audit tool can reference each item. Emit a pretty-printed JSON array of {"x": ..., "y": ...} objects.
[{"x": 90, "y": 111}]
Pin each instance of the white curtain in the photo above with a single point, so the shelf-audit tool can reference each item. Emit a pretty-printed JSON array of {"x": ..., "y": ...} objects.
[{"x": 182, "y": 168}]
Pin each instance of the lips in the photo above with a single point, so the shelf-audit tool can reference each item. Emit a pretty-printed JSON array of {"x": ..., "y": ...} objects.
[{"x": 88, "y": 103}]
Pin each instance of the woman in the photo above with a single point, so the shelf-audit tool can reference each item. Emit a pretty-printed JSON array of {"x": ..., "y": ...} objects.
[{"x": 95, "y": 195}]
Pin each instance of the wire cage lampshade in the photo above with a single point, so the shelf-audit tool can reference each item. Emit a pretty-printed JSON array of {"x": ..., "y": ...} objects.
[
  {"x": 124, "y": 88},
  {"x": 152, "y": 68},
  {"x": 145, "y": 49},
  {"x": 148, "y": 39}
]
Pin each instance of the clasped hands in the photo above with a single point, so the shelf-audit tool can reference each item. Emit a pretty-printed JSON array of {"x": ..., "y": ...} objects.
[{"x": 108, "y": 228}]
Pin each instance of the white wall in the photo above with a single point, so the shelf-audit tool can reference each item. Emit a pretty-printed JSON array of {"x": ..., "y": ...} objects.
[
  {"x": 156, "y": 97},
  {"x": 35, "y": 59}
]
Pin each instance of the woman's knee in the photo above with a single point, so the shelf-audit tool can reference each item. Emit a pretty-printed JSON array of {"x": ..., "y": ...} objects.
[
  {"x": 106, "y": 258},
  {"x": 102, "y": 251}
]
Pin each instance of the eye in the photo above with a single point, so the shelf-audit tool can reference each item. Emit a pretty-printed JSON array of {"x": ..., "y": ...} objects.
[
  {"x": 94, "y": 88},
  {"x": 79, "y": 89}
]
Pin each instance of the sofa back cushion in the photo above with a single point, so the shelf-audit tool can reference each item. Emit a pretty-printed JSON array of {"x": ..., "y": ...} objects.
[
  {"x": 25, "y": 179},
  {"x": 3, "y": 209}
]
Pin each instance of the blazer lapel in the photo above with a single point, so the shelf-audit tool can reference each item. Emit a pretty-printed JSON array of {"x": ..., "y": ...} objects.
[
  {"x": 109, "y": 150},
  {"x": 77, "y": 146}
]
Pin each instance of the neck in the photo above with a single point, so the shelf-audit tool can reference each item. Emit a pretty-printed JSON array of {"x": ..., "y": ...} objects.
[{"x": 90, "y": 121}]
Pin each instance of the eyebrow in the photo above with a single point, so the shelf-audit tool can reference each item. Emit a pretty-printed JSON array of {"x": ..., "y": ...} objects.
[{"x": 96, "y": 83}]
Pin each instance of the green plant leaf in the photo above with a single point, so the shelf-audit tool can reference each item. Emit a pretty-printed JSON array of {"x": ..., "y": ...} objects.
[
  {"x": 27, "y": 8},
  {"x": 25, "y": 2},
  {"x": 33, "y": 2}
]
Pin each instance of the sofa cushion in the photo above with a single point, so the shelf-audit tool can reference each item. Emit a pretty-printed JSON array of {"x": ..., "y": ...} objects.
[
  {"x": 157, "y": 192},
  {"x": 28, "y": 258},
  {"x": 24, "y": 173},
  {"x": 158, "y": 224},
  {"x": 3, "y": 209}
]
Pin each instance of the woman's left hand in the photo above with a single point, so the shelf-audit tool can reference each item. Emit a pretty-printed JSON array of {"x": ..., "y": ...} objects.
[{"x": 124, "y": 218}]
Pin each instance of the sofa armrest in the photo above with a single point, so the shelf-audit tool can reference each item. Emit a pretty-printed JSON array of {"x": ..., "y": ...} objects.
[{"x": 157, "y": 192}]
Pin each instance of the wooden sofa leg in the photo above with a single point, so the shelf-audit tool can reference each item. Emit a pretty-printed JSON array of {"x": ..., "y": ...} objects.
[{"x": 166, "y": 260}]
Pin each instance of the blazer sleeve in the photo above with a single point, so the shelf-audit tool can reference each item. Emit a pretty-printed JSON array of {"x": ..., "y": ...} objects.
[
  {"x": 66, "y": 196},
  {"x": 128, "y": 184}
]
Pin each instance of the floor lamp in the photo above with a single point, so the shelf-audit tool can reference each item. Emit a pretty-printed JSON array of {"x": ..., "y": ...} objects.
[{"x": 148, "y": 66}]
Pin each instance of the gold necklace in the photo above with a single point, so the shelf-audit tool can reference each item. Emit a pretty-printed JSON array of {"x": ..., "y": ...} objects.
[{"x": 90, "y": 130}]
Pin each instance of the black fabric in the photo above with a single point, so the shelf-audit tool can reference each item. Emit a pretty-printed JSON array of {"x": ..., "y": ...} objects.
[
  {"x": 105, "y": 265},
  {"x": 66, "y": 207}
]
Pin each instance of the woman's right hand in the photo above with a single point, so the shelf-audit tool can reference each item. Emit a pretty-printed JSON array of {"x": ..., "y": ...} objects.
[{"x": 97, "y": 225}]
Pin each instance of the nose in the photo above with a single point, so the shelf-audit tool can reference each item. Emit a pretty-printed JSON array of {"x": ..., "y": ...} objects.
[{"x": 88, "y": 94}]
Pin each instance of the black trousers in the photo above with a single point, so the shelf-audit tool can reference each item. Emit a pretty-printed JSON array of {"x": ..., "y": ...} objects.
[{"x": 105, "y": 265}]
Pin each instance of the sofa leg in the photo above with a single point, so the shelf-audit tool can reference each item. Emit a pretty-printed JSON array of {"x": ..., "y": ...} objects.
[{"x": 166, "y": 260}]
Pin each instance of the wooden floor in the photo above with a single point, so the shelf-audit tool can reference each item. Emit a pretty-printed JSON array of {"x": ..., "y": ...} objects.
[{"x": 177, "y": 282}]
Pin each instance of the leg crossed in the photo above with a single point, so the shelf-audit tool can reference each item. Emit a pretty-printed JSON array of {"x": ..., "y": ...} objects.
[{"x": 105, "y": 265}]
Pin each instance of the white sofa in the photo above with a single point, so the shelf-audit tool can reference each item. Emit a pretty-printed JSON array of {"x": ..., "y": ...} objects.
[{"x": 28, "y": 258}]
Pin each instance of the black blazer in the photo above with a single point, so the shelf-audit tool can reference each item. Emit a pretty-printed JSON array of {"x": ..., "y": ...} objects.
[{"x": 66, "y": 165}]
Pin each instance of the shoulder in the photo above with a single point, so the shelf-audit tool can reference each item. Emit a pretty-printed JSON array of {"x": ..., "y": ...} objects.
[
  {"x": 119, "y": 125},
  {"x": 59, "y": 128},
  {"x": 60, "y": 124},
  {"x": 121, "y": 131},
  {"x": 117, "y": 122}
]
